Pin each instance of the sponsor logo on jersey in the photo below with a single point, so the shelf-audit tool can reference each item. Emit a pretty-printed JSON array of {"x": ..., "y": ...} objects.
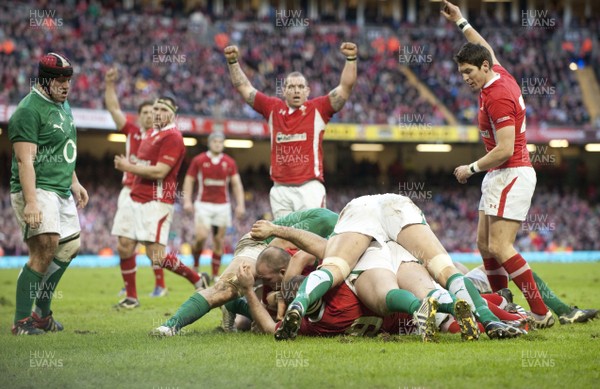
[
  {"x": 284, "y": 138},
  {"x": 213, "y": 182},
  {"x": 502, "y": 119}
]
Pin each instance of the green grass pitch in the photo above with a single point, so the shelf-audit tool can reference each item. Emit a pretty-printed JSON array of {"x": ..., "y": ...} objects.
[{"x": 105, "y": 348}]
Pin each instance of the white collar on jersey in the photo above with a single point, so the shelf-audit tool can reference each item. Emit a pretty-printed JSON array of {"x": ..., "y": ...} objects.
[
  {"x": 490, "y": 82},
  {"x": 165, "y": 128},
  {"x": 215, "y": 159},
  {"x": 292, "y": 110}
]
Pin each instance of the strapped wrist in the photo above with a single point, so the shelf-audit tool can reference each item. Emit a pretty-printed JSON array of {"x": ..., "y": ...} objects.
[
  {"x": 232, "y": 62},
  {"x": 474, "y": 168},
  {"x": 463, "y": 24},
  {"x": 351, "y": 58}
]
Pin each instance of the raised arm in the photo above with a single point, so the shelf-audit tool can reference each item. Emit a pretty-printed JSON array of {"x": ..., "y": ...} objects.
[
  {"x": 452, "y": 13},
  {"x": 238, "y": 78},
  {"x": 111, "y": 100},
  {"x": 341, "y": 93}
]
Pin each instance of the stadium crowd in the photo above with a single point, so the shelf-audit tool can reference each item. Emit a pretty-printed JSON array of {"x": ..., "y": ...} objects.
[
  {"x": 560, "y": 218},
  {"x": 185, "y": 57}
]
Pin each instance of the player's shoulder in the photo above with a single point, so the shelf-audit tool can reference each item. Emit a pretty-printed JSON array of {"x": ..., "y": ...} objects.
[
  {"x": 228, "y": 158},
  {"x": 317, "y": 100},
  {"x": 25, "y": 113},
  {"x": 272, "y": 100},
  {"x": 131, "y": 128},
  {"x": 173, "y": 133}
]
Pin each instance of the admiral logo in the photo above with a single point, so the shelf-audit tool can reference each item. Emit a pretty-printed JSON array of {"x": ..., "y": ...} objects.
[
  {"x": 485, "y": 134},
  {"x": 285, "y": 138}
]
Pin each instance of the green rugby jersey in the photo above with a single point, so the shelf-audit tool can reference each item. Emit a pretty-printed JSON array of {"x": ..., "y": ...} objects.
[
  {"x": 50, "y": 126},
  {"x": 320, "y": 221}
]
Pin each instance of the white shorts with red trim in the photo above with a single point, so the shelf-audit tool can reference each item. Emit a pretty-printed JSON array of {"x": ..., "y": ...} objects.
[
  {"x": 152, "y": 222},
  {"x": 379, "y": 216},
  {"x": 286, "y": 199},
  {"x": 124, "y": 223},
  {"x": 507, "y": 193},
  {"x": 211, "y": 214}
]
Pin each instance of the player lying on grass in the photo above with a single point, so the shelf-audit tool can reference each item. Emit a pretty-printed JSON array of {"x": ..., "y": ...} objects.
[
  {"x": 383, "y": 270},
  {"x": 368, "y": 302},
  {"x": 567, "y": 314},
  {"x": 338, "y": 312},
  {"x": 386, "y": 217},
  {"x": 318, "y": 220}
]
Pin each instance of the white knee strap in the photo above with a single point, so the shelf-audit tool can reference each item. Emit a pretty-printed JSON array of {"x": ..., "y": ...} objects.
[
  {"x": 437, "y": 264},
  {"x": 68, "y": 250},
  {"x": 338, "y": 262}
]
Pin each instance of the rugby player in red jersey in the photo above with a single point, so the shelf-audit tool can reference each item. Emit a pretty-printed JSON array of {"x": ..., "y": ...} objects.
[
  {"x": 510, "y": 180},
  {"x": 125, "y": 246},
  {"x": 296, "y": 126},
  {"x": 213, "y": 170},
  {"x": 154, "y": 191}
]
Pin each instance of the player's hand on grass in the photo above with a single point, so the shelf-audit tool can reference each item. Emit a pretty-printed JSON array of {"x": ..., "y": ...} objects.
[
  {"x": 111, "y": 75},
  {"x": 231, "y": 53},
  {"x": 245, "y": 276},
  {"x": 33, "y": 215},
  {"x": 80, "y": 194},
  {"x": 450, "y": 11},
  {"x": 121, "y": 163},
  {"x": 262, "y": 229},
  {"x": 349, "y": 49},
  {"x": 462, "y": 173}
]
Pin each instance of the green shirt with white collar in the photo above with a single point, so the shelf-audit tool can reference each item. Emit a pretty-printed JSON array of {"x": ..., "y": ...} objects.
[{"x": 50, "y": 126}]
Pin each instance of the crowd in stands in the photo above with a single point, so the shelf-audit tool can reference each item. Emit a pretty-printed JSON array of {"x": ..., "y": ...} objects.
[
  {"x": 564, "y": 215},
  {"x": 182, "y": 54}
]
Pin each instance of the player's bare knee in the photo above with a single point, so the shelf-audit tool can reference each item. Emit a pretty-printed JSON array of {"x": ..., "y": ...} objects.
[
  {"x": 126, "y": 247},
  {"x": 482, "y": 246},
  {"x": 42, "y": 248},
  {"x": 495, "y": 249},
  {"x": 221, "y": 292}
]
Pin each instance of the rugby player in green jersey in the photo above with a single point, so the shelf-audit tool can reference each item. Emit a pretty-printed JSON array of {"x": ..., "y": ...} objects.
[{"x": 45, "y": 192}]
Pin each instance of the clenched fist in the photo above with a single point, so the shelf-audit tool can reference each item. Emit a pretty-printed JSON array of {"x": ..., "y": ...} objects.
[
  {"x": 349, "y": 49},
  {"x": 231, "y": 53}
]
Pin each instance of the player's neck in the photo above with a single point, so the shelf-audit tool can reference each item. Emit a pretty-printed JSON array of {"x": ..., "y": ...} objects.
[
  {"x": 490, "y": 77},
  {"x": 43, "y": 92},
  {"x": 213, "y": 154}
]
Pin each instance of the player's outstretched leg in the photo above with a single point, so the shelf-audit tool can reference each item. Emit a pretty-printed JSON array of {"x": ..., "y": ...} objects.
[
  {"x": 198, "y": 305},
  {"x": 464, "y": 289},
  {"x": 566, "y": 314}
]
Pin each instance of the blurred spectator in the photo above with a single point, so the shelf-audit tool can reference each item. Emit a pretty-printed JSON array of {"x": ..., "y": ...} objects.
[{"x": 182, "y": 53}]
